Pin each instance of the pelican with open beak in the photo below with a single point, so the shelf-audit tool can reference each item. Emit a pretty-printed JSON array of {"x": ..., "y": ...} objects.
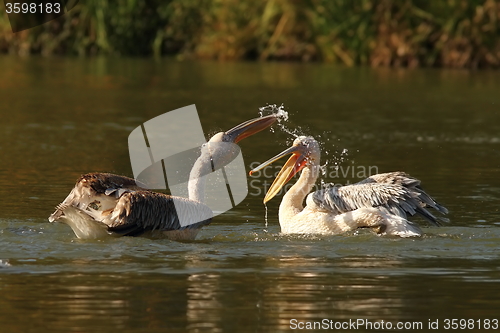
[
  {"x": 381, "y": 202},
  {"x": 103, "y": 204}
]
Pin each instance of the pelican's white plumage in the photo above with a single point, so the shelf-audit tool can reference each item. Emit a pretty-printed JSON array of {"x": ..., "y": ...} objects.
[
  {"x": 104, "y": 204},
  {"x": 381, "y": 202}
]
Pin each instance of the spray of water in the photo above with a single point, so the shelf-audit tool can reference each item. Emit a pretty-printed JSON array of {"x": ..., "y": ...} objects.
[
  {"x": 334, "y": 158},
  {"x": 265, "y": 216},
  {"x": 279, "y": 111},
  {"x": 282, "y": 118}
]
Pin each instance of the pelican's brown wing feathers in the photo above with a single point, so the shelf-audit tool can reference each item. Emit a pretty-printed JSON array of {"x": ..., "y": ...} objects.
[
  {"x": 129, "y": 209},
  {"x": 140, "y": 211}
]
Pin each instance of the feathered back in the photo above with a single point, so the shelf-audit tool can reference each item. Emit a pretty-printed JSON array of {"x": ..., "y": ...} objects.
[
  {"x": 140, "y": 211},
  {"x": 96, "y": 189},
  {"x": 128, "y": 209}
]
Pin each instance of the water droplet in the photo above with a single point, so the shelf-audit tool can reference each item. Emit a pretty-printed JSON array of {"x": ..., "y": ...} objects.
[{"x": 265, "y": 216}]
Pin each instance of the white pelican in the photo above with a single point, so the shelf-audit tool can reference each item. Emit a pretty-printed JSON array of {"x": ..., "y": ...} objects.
[
  {"x": 381, "y": 202},
  {"x": 103, "y": 204}
]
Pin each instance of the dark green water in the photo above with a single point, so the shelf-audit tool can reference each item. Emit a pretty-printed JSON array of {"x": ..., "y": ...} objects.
[{"x": 64, "y": 117}]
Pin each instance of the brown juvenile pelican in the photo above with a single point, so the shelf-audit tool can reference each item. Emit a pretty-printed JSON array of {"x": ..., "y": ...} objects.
[
  {"x": 381, "y": 202},
  {"x": 101, "y": 204}
]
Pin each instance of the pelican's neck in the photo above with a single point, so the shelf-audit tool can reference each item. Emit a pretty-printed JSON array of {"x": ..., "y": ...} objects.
[
  {"x": 197, "y": 178},
  {"x": 292, "y": 202}
]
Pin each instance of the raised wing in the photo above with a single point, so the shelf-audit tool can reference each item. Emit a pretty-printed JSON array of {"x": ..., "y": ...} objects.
[
  {"x": 409, "y": 182},
  {"x": 392, "y": 198},
  {"x": 97, "y": 192}
]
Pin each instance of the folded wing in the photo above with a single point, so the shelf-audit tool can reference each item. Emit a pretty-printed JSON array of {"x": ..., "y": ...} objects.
[{"x": 124, "y": 208}]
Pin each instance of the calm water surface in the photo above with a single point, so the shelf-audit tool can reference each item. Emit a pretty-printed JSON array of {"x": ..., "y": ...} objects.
[{"x": 64, "y": 117}]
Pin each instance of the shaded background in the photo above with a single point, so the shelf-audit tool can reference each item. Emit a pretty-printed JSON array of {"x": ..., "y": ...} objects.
[{"x": 412, "y": 33}]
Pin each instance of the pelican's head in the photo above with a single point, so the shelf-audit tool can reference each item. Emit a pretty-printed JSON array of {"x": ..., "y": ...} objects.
[
  {"x": 222, "y": 146},
  {"x": 305, "y": 151}
]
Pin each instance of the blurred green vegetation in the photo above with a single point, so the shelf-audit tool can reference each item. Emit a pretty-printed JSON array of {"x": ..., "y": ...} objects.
[{"x": 412, "y": 33}]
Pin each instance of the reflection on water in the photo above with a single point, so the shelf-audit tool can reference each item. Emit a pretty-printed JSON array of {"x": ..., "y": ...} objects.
[
  {"x": 251, "y": 300},
  {"x": 65, "y": 117}
]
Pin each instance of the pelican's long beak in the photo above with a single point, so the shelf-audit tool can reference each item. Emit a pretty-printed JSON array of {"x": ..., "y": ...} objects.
[
  {"x": 250, "y": 127},
  {"x": 295, "y": 163}
]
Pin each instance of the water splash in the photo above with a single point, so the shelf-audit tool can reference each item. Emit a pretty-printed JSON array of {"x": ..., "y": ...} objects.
[
  {"x": 279, "y": 111},
  {"x": 333, "y": 159},
  {"x": 4, "y": 263},
  {"x": 265, "y": 217},
  {"x": 324, "y": 168},
  {"x": 282, "y": 118},
  {"x": 296, "y": 132}
]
